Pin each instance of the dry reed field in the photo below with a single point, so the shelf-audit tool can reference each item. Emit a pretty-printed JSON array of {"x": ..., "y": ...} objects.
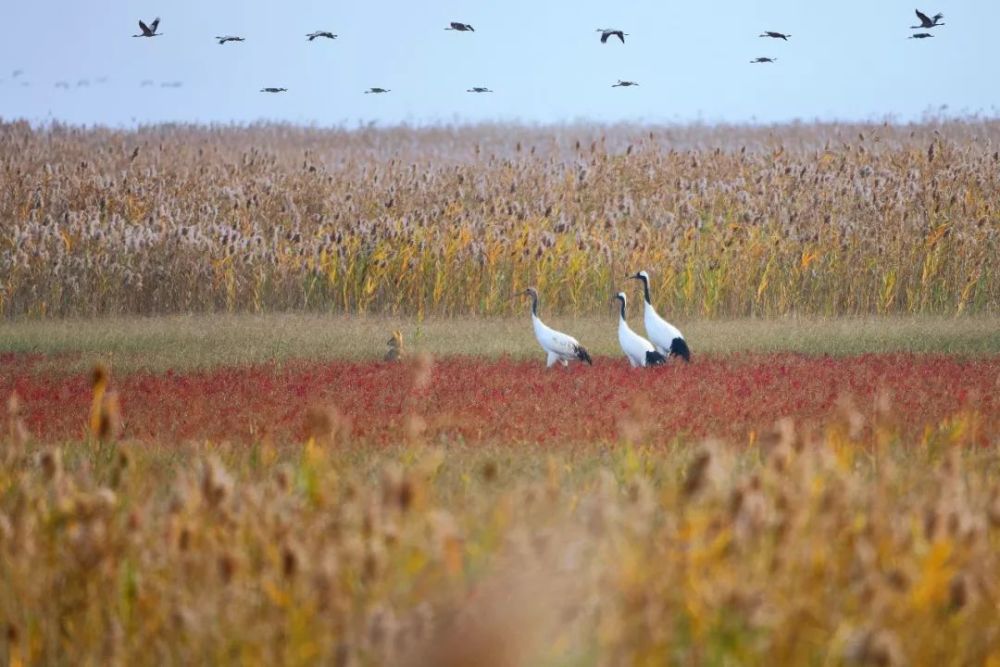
[
  {"x": 806, "y": 219},
  {"x": 205, "y": 460}
]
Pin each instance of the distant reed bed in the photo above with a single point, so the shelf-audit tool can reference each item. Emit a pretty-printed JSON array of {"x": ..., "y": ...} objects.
[{"x": 804, "y": 219}]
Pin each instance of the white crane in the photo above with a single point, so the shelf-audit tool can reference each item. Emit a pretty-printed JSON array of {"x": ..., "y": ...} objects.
[
  {"x": 639, "y": 351},
  {"x": 667, "y": 338},
  {"x": 560, "y": 347}
]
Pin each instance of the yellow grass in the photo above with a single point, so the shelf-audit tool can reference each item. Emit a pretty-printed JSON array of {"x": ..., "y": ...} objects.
[
  {"x": 203, "y": 341},
  {"x": 824, "y": 220}
]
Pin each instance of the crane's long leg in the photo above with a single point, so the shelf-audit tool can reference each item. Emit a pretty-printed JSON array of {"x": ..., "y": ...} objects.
[{"x": 553, "y": 358}]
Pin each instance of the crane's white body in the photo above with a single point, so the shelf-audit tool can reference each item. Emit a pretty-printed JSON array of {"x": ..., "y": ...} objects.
[
  {"x": 665, "y": 337},
  {"x": 559, "y": 347},
  {"x": 639, "y": 351},
  {"x": 661, "y": 333}
]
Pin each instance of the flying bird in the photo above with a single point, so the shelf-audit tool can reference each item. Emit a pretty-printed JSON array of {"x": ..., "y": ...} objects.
[
  {"x": 146, "y": 83},
  {"x": 560, "y": 348},
  {"x": 321, "y": 33},
  {"x": 920, "y": 35},
  {"x": 763, "y": 60},
  {"x": 273, "y": 90},
  {"x": 639, "y": 351},
  {"x": 666, "y": 338},
  {"x": 624, "y": 84},
  {"x": 478, "y": 89},
  {"x": 926, "y": 21},
  {"x": 229, "y": 38},
  {"x": 461, "y": 27},
  {"x": 62, "y": 84},
  {"x": 149, "y": 30},
  {"x": 609, "y": 32},
  {"x": 377, "y": 91},
  {"x": 775, "y": 35}
]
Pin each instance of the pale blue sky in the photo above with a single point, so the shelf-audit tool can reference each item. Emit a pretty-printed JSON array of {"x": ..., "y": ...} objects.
[{"x": 846, "y": 60}]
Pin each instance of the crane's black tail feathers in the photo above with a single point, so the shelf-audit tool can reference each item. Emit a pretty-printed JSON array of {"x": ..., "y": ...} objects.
[
  {"x": 679, "y": 348},
  {"x": 655, "y": 359},
  {"x": 583, "y": 355}
]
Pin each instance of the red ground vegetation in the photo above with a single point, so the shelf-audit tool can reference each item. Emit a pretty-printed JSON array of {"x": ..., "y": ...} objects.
[{"x": 511, "y": 401}]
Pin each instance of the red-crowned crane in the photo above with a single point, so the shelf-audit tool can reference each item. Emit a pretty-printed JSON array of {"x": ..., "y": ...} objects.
[
  {"x": 560, "y": 348},
  {"x": 666, "y": 338},
  {"x": 639, "y": 351}
]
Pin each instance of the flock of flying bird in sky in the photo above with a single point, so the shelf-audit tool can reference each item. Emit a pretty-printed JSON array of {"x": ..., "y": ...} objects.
[
  {"x": 926, "y": 23},
  {"x": 663, "y": 340},
  {"x": 607, "y": 34}
]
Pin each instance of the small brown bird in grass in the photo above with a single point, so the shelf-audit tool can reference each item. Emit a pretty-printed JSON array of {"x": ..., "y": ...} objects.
[{"x": 395, "y": 351}]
